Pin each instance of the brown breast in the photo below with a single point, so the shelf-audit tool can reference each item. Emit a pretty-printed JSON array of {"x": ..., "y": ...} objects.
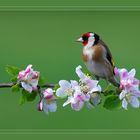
[
  {"x": 98, "y": 52},
  {"x": 84, "y": 57}
]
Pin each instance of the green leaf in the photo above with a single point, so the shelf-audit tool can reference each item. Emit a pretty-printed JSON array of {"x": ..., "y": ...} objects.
[
  {"x": 112, "y": 103},
  {"x": 23, "y": 99},
  {"x": 15, "y": 88},
  {"x": 12, "y": 70},
  {"x": 41, "y": 81},
  {"x": 109, "y": 87},
  {"x": 109, "y": 90},
  {"x": 27, "y": 97},
  {"x": 56, "y": 87},
  {"x": 14, "y": 79}
]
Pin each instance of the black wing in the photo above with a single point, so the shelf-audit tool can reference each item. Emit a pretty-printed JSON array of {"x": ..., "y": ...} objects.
[{"x": 109, "y": 55}]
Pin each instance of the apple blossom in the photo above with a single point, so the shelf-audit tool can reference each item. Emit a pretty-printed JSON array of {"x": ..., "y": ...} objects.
[
  {"x": 87, "y": 84},
  {"x": 28, "y": 79},
  {"x": 66, "y": 88},
  {"x": 129, "y": 86},
  {"x": 79, "y": 93},
  {"x": 48, "y": 101}
]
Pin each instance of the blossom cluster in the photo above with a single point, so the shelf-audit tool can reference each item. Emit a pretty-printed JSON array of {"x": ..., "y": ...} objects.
[
  {"x": 129, "y": 87},
  {"x": 85, "y": 91}
]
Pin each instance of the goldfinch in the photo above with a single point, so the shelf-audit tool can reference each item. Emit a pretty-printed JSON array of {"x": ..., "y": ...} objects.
[{"x": 97, "y": 57}]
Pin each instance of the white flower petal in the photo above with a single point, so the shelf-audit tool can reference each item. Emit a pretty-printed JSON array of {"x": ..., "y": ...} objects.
[
  {"x": 52, "y": 106},
  {"x": 74, "y": 83},
  {"x": 80, "y": 74},
  {"x": 132, "y": 73},
  {"x": 45, "y": 107},
  {"x": 134, "y": 102},
  {"x": 122, "y": 94},
  {"x": 99, "y": 88},
  {"x": 87, "y": 97},
  {"x": 48, "y": 92},
  {"x": 123, "y": 73},
  {"x": 70, "y": 100},
  {"x": 124, "y": 104},
  {"x": 91, "y": 83},
  {"x": 21, "y": 75},
  {"x": 77, "y": 106},
  {"x": 28, "y": 68},
  {"x": 64, "y": 84},
  {"x": 61, "y": 93},
  {"x": 40, "y": 105},
  {"x": 116, "y": 71},
  {"x": 136, "y": 93},
  {"x": 96, "y": 89},
  {"x": 27, "y": 87},
  {"x": 34, "y": 82}
]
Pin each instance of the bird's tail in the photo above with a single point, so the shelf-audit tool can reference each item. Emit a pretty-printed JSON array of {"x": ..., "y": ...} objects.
[{"x": 114, "y": 81}]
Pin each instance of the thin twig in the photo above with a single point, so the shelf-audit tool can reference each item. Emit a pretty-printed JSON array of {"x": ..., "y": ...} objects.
[
  {"x": 8, "y": 85},
  {"x": 48, "y": 86}
]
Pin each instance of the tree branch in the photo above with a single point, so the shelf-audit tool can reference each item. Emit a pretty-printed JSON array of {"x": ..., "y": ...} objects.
[
  {"x": 5, "y": 85},
  {"x": 8, "y": 85},
  {"x": 48, "y": 86}
]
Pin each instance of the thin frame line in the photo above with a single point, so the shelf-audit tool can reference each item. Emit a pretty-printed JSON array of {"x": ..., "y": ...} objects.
[
  {"x": 70, "y": 131},
  {"x": 70, "y": 8},
  {"x": 129, "y": 6}
]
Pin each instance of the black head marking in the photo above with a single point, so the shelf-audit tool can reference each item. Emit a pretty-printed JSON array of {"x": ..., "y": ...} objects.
[
  {"x": 85, "y": 38},
  {"x": 96, "y": 38}
]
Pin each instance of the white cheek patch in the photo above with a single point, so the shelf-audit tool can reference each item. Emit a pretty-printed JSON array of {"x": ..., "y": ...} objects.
[
  {"x": 91, "y": 34},
  {"x": 91, "y": 41},
  {"x": 88, "y": 52}
]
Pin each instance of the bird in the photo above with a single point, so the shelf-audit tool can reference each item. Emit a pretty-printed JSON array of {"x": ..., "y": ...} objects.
[{"x": 98, "y": 58}]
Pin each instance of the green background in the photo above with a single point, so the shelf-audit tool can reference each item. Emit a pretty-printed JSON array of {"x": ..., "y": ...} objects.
[
  {"x": 46, "y": 39},
  {"x": 69, "y": 3}
]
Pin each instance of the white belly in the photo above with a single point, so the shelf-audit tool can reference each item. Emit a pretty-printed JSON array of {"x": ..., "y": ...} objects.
[{"x": 96, "y": 68}]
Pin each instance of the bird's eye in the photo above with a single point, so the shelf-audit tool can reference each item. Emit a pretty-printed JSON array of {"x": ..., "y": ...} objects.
[{"x": 85, "y": 38}]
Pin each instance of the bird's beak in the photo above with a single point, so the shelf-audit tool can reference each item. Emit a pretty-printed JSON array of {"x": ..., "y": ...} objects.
[{"x": 79, "y": 39}]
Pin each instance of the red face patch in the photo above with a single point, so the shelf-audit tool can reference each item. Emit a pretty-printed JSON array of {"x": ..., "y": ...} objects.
[
  {"x": 86, "y": 35},
  {"x": 85, "y": 38},
  {"x": 85, "y": 42}
]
